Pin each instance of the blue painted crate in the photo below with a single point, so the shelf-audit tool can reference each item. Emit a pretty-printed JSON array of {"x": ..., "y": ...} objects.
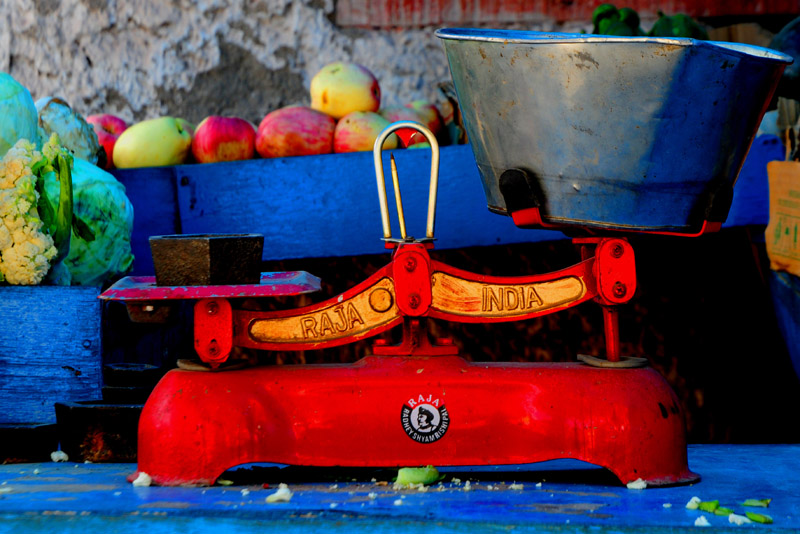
[
  {"x": 50, "y": 350},
  {"x": 327, "y": 206}
]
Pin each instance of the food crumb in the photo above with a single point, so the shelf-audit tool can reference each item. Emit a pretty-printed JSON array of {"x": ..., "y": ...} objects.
[
  {"x": 245, "y": 492},
  {"x": 667, "y": 505},
  {"x": 333, "y": 505},
  {"x": 333, "y": 486},
  {"x": 737, "y": 519},
  {"x": 282, "y": 494},
  {"x": 637, "y": 484},
  {"x": 516, "y": 486},
  {"x": 142, "y": 480},
  {"x": 467, "y": 486},
  {"x": 36, "y": 471},
  {"x": 398, "y": 502},
  {"x": 117, "y": 493},
  {"x": 456, "y": 481},
  {"x": 693, "y": 503},
  {"x": 372, "y": 495},
  {"x": 538, "y": 484},
  {"x": 702, "y": 522},
  {"x": 59, "y": 456}
]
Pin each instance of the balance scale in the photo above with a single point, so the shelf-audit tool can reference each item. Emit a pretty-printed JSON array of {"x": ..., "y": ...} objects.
[{"x": 420, "y": 402}]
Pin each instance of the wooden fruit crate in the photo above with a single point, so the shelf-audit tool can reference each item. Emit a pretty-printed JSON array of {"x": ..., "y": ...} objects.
[
  {"x": 327, "y": 206},
  {"x": 50, "y": 350}
]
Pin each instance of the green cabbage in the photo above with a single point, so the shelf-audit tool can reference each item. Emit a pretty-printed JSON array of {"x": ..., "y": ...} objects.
[
  {"x": 18, "y": 117},
  {"x": 99, "y": 200},
  {"x": 56, "y": 116}
]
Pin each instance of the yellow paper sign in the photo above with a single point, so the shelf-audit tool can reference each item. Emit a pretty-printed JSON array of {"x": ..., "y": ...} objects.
[{"x": 783, "y": 231}]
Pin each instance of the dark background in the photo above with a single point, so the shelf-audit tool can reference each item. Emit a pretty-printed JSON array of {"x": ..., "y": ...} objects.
[{"x": 702, "y": 315}]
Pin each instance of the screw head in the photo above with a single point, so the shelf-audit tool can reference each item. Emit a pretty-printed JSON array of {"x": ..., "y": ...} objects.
[
  {"x": 617, "y": 250},
  {"x": 414, "y": 301},
  {"x": 410, "y": 264},
  {"x": 212, "y": 308},
  {"x": 619, "y": 290}
]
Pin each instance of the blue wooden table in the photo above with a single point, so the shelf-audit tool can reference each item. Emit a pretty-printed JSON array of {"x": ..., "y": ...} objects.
[{"x": 558, "y": 496}]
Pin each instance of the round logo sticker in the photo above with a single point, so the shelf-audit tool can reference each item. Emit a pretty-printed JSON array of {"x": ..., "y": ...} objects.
[{"x": 425, "y": 419}]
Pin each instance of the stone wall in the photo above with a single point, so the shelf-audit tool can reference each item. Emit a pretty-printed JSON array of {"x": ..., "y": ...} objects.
[{"x": 143, "y": 59}]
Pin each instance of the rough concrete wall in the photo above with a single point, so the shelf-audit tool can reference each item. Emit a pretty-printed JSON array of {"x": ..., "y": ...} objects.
[{"x": 143, "y": 59}]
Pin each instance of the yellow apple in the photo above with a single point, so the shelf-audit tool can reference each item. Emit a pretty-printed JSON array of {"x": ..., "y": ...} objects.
[
  {"x": 153, "y": 143},
  {"x": 341, "y": 88}
]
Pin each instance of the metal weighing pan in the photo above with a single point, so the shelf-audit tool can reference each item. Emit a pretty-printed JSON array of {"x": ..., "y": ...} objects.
[{"x": 624, "y": 133}]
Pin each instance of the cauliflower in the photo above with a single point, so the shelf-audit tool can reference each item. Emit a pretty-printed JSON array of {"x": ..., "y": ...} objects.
[{"x": 25, "y": 248}]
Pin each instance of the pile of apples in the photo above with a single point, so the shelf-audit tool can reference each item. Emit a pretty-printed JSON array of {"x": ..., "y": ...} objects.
[{"x": 344, "y": 116}]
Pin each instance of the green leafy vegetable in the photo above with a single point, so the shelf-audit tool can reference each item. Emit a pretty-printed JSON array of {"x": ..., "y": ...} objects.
[
  {"x": 758, "y": 518},
  {"x": 603, "y": 12},
  {"x": 760, "y": 503},
  {"x": 56, "y": 116},
  {"x": 708, "y": 506},
  {"x": 417, "y": 475},
  {"x": 18, "y": 119},
  {"x": 100, "y": 249},
  {"x": 608, "y": 20},
  {"x": 678, "y": 25}
]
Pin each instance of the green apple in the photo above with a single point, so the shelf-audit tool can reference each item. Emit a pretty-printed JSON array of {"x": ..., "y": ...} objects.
[{"x": 153, "y": 143}]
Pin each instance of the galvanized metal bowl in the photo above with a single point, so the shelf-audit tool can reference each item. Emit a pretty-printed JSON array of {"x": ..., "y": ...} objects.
[{"x": 625, "y": 133}]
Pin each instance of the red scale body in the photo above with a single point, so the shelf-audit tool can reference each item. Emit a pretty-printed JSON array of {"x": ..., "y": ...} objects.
[{"x": 418, "y": 402}]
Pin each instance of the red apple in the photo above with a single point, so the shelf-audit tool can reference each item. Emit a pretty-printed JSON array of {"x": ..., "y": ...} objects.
[
  {"x": 357, "y": 131},
  {"x": 430, "y": 113},
  {"x": 408, "y": 136},
  {"x": 295, "y": 131},
  {"x": 223, "y": 139},
  {"x": 107, "y": 127}
]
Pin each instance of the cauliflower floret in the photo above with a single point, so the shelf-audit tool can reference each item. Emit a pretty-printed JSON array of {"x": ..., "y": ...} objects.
[{"x": 25, "y": 249}]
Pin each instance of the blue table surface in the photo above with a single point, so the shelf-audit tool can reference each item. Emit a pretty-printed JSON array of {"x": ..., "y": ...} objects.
[{"x": 563, "y": 496}]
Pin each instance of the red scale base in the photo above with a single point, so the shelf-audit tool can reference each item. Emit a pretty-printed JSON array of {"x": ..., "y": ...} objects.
[{"x": 396, "y": 411}]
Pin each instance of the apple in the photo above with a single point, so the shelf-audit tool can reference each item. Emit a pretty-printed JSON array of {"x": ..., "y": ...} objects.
[
  {"x": 341, "y": 88},
  {"x": 357, "y": 131},
  {"x": 407, "y": 136},
  {"x": 430, "y": 115},
  {"x": 108, "y": 128},
  {"x": 153, "y": 143},
  {"x": 223, "y": 139},
  {"x": 295, "y": 131},
  {"x": 186, "y": 125}
]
